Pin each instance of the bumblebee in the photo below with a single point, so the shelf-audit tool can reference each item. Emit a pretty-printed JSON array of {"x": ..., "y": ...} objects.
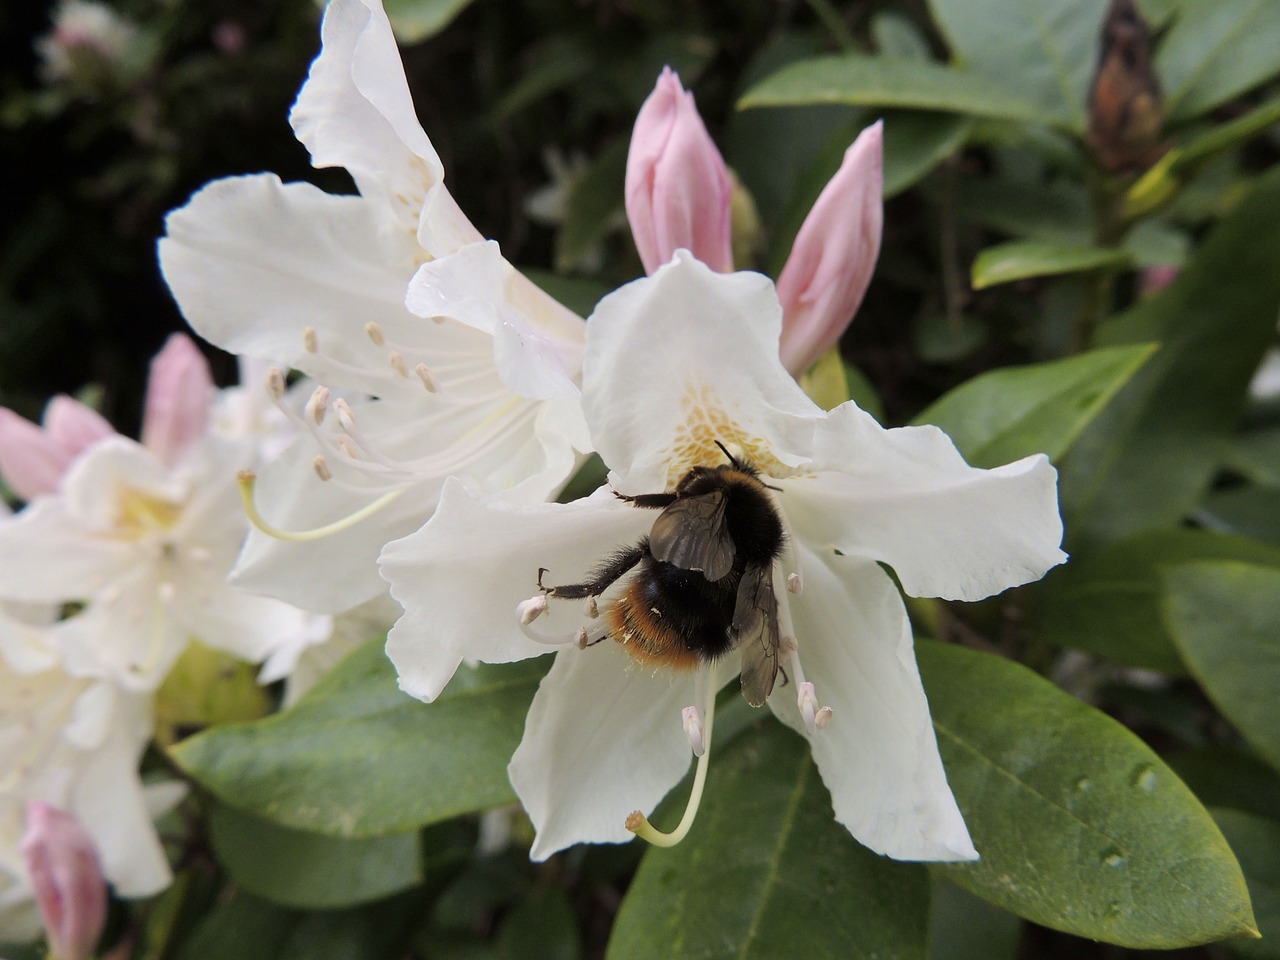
[{"x": 704, "y": 583}]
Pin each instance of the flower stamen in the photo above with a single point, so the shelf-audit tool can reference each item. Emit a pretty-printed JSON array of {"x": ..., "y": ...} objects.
[
  {"x": 248, "y": 479},
  {"x": 637, "y": 822}
]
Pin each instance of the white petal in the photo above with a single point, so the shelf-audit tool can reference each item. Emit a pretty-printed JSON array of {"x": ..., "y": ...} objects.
[
  {"x": 681, "y": 359},
  {"x": 47, "y": 555},
  {"x": 907, "y": 498},
  {"x": 603, "y": 738},
  {"x": 24, "y": 647},
  {"x": 461, "y": 577},
  {"x": 253, "y": 262},
  {"x": 878, "y": 755},
  {"x": 355, "y": 111},
  {"x": 244, "y": 625},
  {"x": 109, "y": 800},
  {"x": 538, "y": 350}
]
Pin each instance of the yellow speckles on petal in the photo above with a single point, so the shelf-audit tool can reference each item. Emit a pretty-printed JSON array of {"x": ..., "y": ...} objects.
[{"x": 707, "y": 420}]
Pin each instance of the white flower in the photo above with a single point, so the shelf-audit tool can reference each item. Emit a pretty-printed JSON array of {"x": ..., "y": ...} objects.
[
  {"x": 75, "y": 743},
  {"x": 480, "y": 384},
  {"x": 89, "y": 39},
  {"x": 674, "y": 364},
  {"x": 145, "y": 548}
]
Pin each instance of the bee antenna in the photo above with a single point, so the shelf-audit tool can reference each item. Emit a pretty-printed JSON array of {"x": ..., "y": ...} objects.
[{"x": 732, "y": 459}]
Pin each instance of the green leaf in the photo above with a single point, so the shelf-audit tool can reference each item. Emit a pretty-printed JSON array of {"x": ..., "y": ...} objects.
[
  {"x": 894, "y": 34},
  {"x": 916, "y": 142},
  {"x": 938, "y": 338},
  {"x": 595, "y": 207},
  {"x": 1022, "y": 259},
  {"x": 1249, "y": 511},
  {"x": 1043, "y": 49},
  {"x": 1006, "y": 414},
  {"x": 555, "y": 63},
  {"x": 767, "y": 872},
  {"x": 1080, "y": 825},
  {"x": 1256, "y": 841},
  {"x": 310, "y": 870},
  {"x": 1059, "y": 214},
  {"x": 965, "y": 927},
  {"x": 1256, "y": 456},
  {"x": 872, "y": 81},
  {"x": 416, "y": 20},
  {"x": 774, "y": 150},
  {"x": 1144, "y": 461},
  {"x": 1172, "y": 171},
  {"x": 1225, "y": 776},
  {"x": 543, "y": 921},
  {"x": 246, "y": 928},
  {"x": 356, "y": 757},
  {"x": 1225, "y": 617},
  {"x": 1215, "y": 51},
  {"x": 1107, "y": 601}
]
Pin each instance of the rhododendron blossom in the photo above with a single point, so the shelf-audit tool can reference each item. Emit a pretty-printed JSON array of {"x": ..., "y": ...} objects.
[
  {"x": 677, "y": 364},
  {"x": 481, "y": 384}
]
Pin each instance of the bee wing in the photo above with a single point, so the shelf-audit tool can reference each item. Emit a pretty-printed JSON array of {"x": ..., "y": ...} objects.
[
  {"x": 691, "y": 534},
  {"x": 755, "y": 624}
]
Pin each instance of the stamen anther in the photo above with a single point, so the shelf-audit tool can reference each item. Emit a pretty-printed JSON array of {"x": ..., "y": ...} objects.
[
  {"x": 591, "y": 608},
  {"x": 693, "y": 730},
  {"x": 424, "y": 374},
  {"x": 815, "y": 717},
  {"x": 531, "y": 609},
  {"x": 321, "y": 467},
  {"x": 311, "y": 340},
  {"x": 275, "y": 382},
  {"x": 374, "y": 333},
  {"x": 794, "y": 585},
  {"x": 580, "y": 638},
  {"x": 318, "y": 405},
  {"x": 346, "y": 416},
  {"x": 398, "y": 364}
]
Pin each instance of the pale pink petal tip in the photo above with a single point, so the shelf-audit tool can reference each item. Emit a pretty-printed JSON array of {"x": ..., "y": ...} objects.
[
  {"x": 834, "y": 254},
  {"x": 179, "y": 394},
  {"x": 678, "y": 190}
]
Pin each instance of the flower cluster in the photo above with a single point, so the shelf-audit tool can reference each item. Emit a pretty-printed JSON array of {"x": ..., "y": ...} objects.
[
  {"x": 118, "y": 561},
  {"x": 439, "y": 402}
]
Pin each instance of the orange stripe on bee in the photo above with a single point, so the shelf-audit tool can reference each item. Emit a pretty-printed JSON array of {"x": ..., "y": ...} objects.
[{"x": 645, "y": 636}]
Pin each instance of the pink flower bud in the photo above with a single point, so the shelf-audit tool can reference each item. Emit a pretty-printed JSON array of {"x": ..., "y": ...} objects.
[
  {"x": 33, "y": 459},
  {"x": 678, "y": 188},
  {"x": 179, "y": 396},
  {"x": 67, "y": 879},
  {"x": 833, "y": 255}
]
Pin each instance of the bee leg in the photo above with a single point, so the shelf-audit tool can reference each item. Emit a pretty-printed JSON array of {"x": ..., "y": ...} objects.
[
  {"x": 649, "y": 501},
  {"x": 785, "y": 679},
  {"x": 604, "y": 577}
]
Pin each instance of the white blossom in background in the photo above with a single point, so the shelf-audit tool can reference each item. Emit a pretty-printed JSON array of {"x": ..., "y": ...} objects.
[
  {"x": 73, "y": 742},
  {"x": 89, "y": 42},
  {"x": 140, "y": 537},
  {"x": 675, "y": 363},
  {"x": 477, "y": 380}
]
